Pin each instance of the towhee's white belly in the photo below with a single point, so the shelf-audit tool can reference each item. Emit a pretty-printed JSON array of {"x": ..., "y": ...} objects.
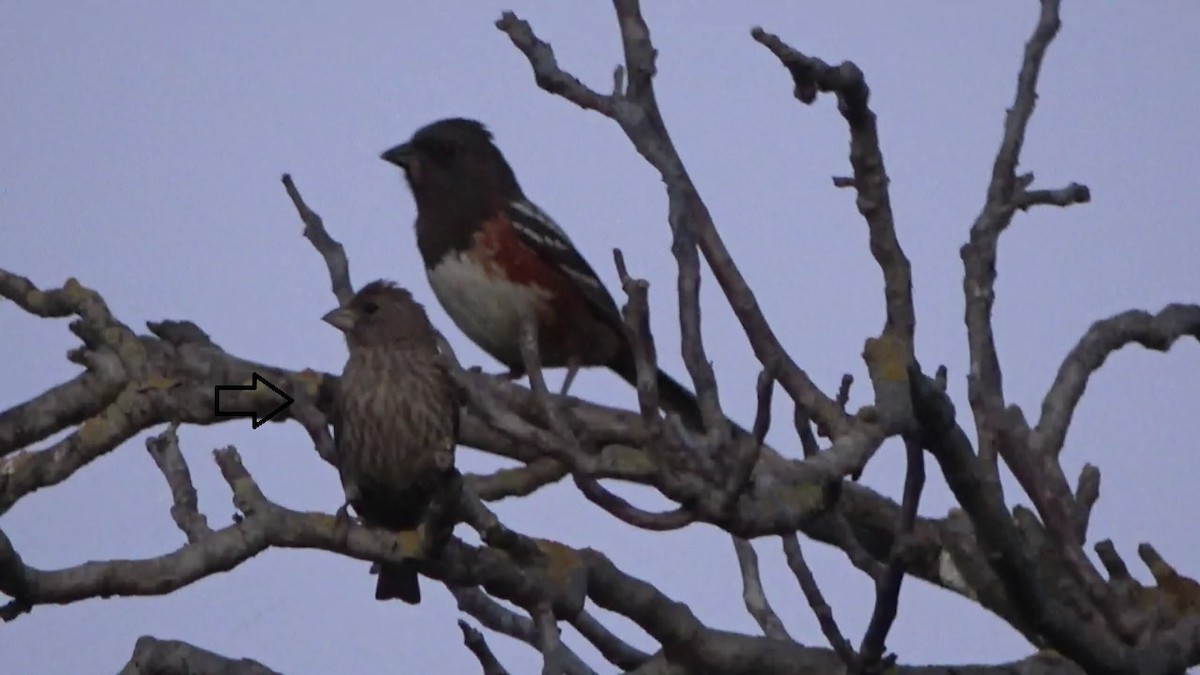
[{"x": 485, "y": 306}]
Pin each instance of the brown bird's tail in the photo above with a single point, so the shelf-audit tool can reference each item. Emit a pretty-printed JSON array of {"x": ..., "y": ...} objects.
[{"x": 399, "y": 580}]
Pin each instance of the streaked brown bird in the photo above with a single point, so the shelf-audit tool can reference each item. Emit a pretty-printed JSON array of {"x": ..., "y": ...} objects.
[
  {"x": 395, "y": 419},
  {"x": 492, "y": 257}
]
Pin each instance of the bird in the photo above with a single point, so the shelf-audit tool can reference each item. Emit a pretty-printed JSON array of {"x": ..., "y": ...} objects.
[
  {"x": 395, "y": 420},
  {"x": 493, "y": 257}
]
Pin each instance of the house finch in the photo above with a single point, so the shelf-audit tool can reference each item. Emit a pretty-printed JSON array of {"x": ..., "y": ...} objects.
[
  {"x": 493, "y": 257},
  {"x": 395, "y": 419}
]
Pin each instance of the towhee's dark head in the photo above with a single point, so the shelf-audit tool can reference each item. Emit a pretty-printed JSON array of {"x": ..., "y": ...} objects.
[
  {"x": 383, "y": 314},
  {"x": 447, "y": 155}
]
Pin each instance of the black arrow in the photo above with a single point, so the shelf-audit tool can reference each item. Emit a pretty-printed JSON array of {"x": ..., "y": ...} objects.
[{"x": 255, "y": 380}]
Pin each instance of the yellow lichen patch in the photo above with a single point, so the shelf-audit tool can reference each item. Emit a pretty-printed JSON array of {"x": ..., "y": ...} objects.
[
  {"x": 886, "y": 358},
  {"x": 10, "y": 464},
  {"x": 629, "y": 460},
  {"x": 311, "y": 381},
  {"x": 565, "y": 568},
  {"x": 807, "y": 497},
  {"x": 411, "y": 543},
  {"x": 93, "y": 430},
  {"x": 36, "y": 301},
  {"x": 560, "y": 558},
  {"x": 157, "y": 382},
  {"x": 867, "y": 414}
]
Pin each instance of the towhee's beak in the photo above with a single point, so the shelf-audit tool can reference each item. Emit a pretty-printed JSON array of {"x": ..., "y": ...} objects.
[
  {"x": 341, "y": 318},
  {"x": 402, "y": 156}
]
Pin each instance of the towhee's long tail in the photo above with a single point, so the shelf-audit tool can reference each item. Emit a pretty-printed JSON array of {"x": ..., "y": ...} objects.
[{"x": 672, "y": 396}]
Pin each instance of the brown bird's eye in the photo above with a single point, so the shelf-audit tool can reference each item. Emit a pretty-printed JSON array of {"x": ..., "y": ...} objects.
[{"x": 370, "y": 307}]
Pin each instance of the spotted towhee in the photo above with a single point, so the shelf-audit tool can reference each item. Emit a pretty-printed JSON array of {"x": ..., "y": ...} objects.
[{"x": 492, "y": 255}]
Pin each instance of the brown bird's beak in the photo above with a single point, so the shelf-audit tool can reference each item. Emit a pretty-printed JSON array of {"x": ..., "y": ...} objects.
[
  {"x": 342, "y": 318},
  {"x": 402, "y": 156}
]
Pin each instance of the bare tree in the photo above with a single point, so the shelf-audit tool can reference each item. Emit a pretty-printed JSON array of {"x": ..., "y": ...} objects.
[{"x": 1027, "y": 567}]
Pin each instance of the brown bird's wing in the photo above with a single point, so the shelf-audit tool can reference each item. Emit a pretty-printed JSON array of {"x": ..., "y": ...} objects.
[{"x": 541, "y": 234}]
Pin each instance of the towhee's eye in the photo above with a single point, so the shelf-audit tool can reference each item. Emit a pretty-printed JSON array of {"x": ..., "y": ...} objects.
[
  {"x": 370, "y": 308},
  {"x": 443, "y": 150}
]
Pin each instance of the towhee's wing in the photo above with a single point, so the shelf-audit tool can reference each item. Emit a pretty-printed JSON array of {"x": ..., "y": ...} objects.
[{"x": 540, "y": 233}]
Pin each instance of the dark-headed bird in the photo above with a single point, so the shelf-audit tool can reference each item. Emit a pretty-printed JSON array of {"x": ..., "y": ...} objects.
[
  {"x": 493, "y": 257},
  {"x": 395, "y": 419}
]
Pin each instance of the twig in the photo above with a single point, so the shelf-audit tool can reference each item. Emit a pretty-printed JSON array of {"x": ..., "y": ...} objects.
[
  {"x": 329, "y": 248},
  {"x": 637, "y": 319},
  {"x": 474, "y": 641},
  {"x": 816, "y": 600},
  {"x": 843, "y": 392},
  {"x": 887, "y": 586},
  {"x": 749, "y": 449},
  {"x": 1087, "y": 492},
  {"x": 548, "y": 640},
  {"x": 753, "y": 594},
  {"x": 618, "y": 652},
  {"x": 1066, "y": 196}
]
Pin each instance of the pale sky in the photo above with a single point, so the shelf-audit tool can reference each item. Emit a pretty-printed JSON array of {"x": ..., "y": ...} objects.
[{"x": 141, "y": 152}]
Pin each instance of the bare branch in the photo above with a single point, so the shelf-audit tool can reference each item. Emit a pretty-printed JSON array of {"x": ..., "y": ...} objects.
[
  {"x": 985, "y": 386},
  {"x": 495, "y": 616},
  {"x": 185, "y": 510},
  {"x": 1152, "y": 331},
  {"x": 753, "y": 594},
  {"x": 618, "y": 652},
  {"x": 812, "y": 75},
  {"x": 517, "y": 482}
]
